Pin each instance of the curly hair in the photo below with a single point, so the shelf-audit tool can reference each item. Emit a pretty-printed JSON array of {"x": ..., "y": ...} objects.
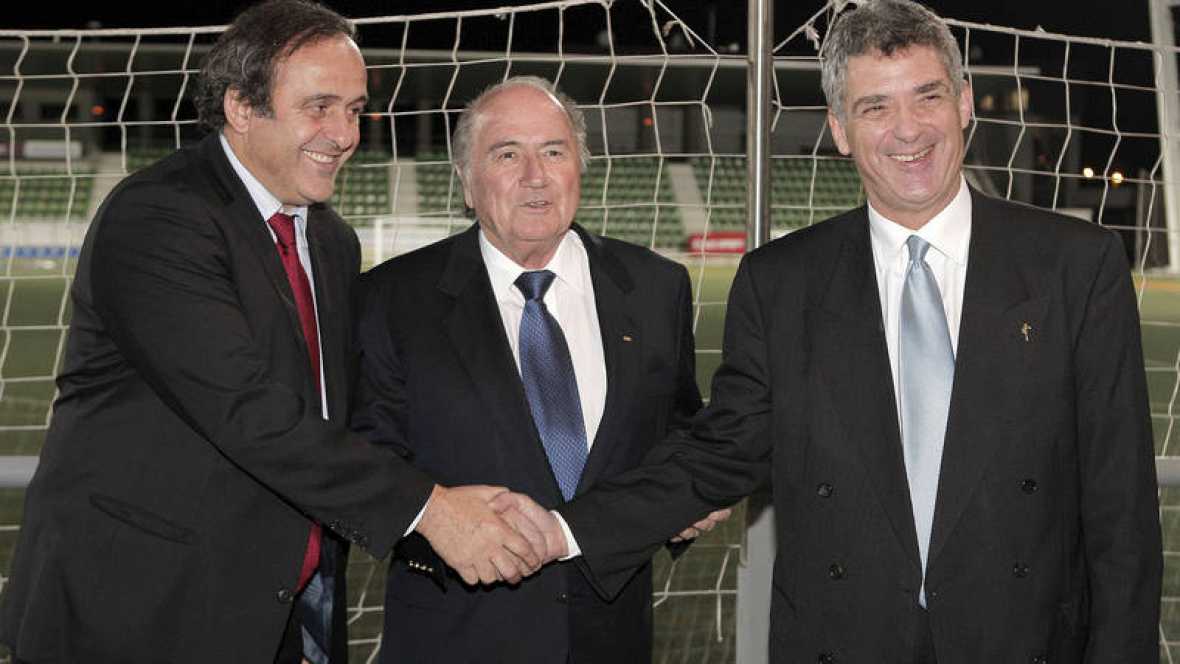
[{"x": 248, "y": 53}]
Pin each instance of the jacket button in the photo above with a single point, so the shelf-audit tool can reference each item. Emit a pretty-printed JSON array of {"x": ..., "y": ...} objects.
[
  {"x": 1039, "y": 659},
  {"x": 285, "y": 595},
  {"x": 1019, "y": 570},
  {"x": 836, "y": 571},
  {"x": 564, "y": 598},
  {"x": 824, "y": 490},
  {"x": 826, "y": 658},
  {"x": 1029, "y": 486}
]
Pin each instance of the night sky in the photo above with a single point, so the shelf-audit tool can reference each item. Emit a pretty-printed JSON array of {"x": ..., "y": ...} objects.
[
  {"x": 1130, "y": 22},
  {"x": 720, "y": 22}
]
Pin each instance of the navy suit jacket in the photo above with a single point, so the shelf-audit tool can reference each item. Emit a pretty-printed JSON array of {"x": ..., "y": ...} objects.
[{"x": 440, "y": 386}]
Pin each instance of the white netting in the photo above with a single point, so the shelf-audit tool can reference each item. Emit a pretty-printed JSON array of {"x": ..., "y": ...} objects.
[
  {"x": 85, "y": 108},
  {"x": 667, "y": 129}
]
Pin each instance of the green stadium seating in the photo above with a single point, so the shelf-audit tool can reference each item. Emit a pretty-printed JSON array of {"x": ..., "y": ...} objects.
[
  {"x": 803, "y": 190},
  {"x": 42, "y": 193}
]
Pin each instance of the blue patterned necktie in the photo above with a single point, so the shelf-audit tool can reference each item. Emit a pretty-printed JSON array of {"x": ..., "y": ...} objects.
[
  {"x": 548, "y": 375},
  {"x": 926, "y": 364}
]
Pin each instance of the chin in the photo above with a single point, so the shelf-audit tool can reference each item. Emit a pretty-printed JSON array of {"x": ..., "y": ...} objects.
[{"x": 317, "y": 194}]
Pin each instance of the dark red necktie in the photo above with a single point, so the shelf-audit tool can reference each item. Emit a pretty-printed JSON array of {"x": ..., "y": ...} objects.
[{"x": 284, "y": 227}]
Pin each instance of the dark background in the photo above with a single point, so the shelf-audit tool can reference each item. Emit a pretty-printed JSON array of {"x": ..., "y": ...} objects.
[
  {"x": 722, "y": 23},
  {"x": 1127, "y": 21}
]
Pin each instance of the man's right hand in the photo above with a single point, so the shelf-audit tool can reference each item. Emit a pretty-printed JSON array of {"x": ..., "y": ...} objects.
[
  {"x": 473, "y": 540},
  {"x": 521, "y": 511}
]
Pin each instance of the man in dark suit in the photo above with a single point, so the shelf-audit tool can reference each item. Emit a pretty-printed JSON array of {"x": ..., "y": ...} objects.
[
  {"x": 457, "y": 375},
  {"x": 197, "y": 475},
  {"x": 946, "y": 391}
]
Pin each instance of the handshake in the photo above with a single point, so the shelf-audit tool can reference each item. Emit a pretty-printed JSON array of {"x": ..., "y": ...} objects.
[{"x": 489, "y": 534}]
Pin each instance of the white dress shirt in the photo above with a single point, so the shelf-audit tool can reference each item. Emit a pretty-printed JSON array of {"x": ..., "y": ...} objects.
[
  {"x": 949, "y": 235},
  {"x": 570, "y": 300},
  {"x": 267, "y": 205}
]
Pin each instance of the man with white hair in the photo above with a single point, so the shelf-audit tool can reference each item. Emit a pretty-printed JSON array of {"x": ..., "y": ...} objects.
[{"x": 525, "y": 353}]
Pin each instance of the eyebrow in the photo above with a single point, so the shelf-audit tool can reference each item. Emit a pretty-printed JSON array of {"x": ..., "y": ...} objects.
[
  {"x": 513, "y": 143},
  {"x": 929, "y": 86},
  {"x": 331, "y": 99}
]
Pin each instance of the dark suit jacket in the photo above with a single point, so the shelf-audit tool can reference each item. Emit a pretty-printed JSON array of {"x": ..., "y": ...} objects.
[
  {"x": 439, "y": 383},
  {"x": 168, "y": 517},
  {"x": 1046, "y": 542}
]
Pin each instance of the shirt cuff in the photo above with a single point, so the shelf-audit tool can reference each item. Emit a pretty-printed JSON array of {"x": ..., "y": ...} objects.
[
  {"x": 414, "y": 523},
  {"x": 571, "y": 544}
]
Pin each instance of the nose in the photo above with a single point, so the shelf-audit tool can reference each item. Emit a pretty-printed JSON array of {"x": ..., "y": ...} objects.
[
  {"x": 908, "y": 124},
  {"x": 342, "y": 128},
  {"x": 533, "y": 173}
]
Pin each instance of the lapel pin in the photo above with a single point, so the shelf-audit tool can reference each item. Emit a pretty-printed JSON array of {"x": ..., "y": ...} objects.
[
  {"x": 1025, "y": 328},
  {"x": 627, "y": 338}
]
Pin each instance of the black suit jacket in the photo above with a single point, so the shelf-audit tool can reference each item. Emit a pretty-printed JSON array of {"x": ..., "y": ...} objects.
[
  {"x": 439, "y": 384},
  {"x": 1046, "y": 542},
  {"x": 168, "y": 517}
]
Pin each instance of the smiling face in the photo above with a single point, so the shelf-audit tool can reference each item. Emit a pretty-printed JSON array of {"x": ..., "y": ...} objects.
[
  {"x": 903, "y": 126},
  {"x": 523, "y": 176},
  {"x": 317, "y": 97}
]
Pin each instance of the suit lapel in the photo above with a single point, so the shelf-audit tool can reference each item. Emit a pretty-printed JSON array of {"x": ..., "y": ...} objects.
[
  {"x": 989, "y": 365},
  {"x": 238, "y": 208},
  {"x": 331, "y": 308},
  {"x": 621, "y": 345},
  {"x": 476, "y": 332},
  {"x": 848, "y": 339}
]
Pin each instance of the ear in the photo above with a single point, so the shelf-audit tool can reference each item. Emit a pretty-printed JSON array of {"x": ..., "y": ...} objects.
[
  {"x": 238, "y": 111},
  {"x": 838, "y": 134},
  {"x": 966, "y": 105},
  {"x": 468, "y": 199}
]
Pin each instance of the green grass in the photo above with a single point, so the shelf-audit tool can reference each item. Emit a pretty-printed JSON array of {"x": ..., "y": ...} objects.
[{"x": 31, "y": 302}]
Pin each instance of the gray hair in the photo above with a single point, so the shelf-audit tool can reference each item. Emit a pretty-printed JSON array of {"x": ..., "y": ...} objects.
[
  {"x": 884, "y": 26},
  {"x": 461, "y": 141},
  {"x": 247, "y": 54}
]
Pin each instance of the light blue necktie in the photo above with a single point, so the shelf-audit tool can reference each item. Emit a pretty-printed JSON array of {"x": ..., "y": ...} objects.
[
  {"x": 548, "y": 375},
  {"x": 926, "y": 366}
]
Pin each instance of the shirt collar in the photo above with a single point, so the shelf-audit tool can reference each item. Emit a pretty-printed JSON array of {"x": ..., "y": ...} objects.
[
  {"x": 949, "y": 231},
  {"x": 569, "y": 263},
  {"x": 265, "y": 201}
]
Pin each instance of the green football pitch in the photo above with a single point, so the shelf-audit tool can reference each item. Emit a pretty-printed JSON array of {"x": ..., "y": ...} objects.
[{"x": 695, "y": 597}]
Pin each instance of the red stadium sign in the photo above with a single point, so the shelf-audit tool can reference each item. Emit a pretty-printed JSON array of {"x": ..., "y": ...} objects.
[{"x": 718, "y": 242}]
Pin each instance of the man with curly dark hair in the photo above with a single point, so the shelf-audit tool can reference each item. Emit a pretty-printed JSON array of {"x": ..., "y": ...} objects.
[{"x": 198, "y": 481}]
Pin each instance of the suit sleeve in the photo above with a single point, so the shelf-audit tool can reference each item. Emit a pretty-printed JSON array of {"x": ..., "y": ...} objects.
[
  {"x": 687, "y": 401},
  {"x": 1119, "y": 505},
  {"x": 164, "y": 285},
  {"x": 722, "y": 457},
  {"x": 379, "y": 406}
]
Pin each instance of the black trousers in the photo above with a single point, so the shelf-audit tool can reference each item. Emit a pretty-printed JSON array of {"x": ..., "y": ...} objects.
[
  {"x": 923, "y": 638},
  {"x": 291, "y": 647}
]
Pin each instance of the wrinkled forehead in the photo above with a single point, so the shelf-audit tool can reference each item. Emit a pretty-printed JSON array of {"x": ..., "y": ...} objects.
[
  {"x": 519, "y": 109},
  {"x": 914, "y": 62}
]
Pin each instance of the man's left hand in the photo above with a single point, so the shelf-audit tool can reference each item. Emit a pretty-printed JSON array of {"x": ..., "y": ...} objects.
[{"x": 703, "y": 526}]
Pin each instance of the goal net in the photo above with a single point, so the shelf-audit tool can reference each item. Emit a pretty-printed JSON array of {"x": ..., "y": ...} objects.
[{"x": 1062, "y": 122}]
